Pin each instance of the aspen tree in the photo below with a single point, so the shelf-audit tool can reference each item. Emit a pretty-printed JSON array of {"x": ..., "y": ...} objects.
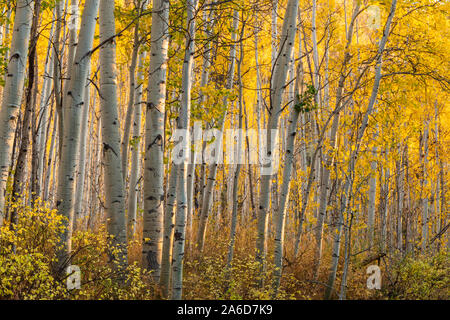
[
  {"x": 343, "y": 202},
  {"x": 277, "y": 88},
  {"x": 424, "y": 183},
  {"x": 201, "y": 100},
  {"x": 135, "y": 171},
  {"x": 372, "y": 197},
  {"x": 131, "y": 95},
  {"x": 183, "y": 123},
  {"x": 169, "y": 223},
  {"x": 212, "y": 168},
  {"x": 384, "y": 209},
  {"x": 274, "y": 26},
  {"x": 437, "y": 197},
  {"x": 154, "y": 140},
  {"x": 81, "y": 174},
  {"x": 113, "y": 189},
  {"x": 401, "y": 197},
  {"x": 45, "y": 108},
  {"x": 57, "y": 69},
  {"x": 27, "y": 120},
  {"x": 73, "y": 110},
  {"x": 329, "y": 157},
  {"x": 315, "y": 51},
  {"x": 237, "y": 156},
  {"x": 287, "y": 175},
  {"x": 13, "y": 91}
]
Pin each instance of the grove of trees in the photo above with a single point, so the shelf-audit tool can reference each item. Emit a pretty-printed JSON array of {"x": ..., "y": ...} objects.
[{"x": 118, "y": 119}]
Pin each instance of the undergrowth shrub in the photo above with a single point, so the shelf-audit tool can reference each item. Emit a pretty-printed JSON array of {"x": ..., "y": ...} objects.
[
  {"x": 211, "y": 278},
  {"x": 28, "y": 256},
  {"x": 421, "y": 278}
]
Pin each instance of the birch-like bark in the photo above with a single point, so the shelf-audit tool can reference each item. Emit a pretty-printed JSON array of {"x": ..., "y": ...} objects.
[
  {"x": 347, "y": 250},
  {"x": 277, "y": 90},
  {"x": 26, "y": 139},
  {"x": 169, "y": 223},
  {"x": 372, "y": 197},
  {"x": 130, "y": 107},
  {"x": 81, "y": 174},
  {"x": 135, "y": 171},
  {"x": 238, "y": 158},
  {"x": 315, "y": 52},
  {"x": 114, "y": 190},
  {"x": 57, "y": 69},
  {"x": 384, "y": 209},
  {"x": 205, "y": 79},
  {"x": 439, "y": 175},
  {"x": 287, "y": 174},
  {"x": 401, "y": 197},
  {"x": 183, "y": 124},
  {"x": 73, "y": 109},
  {"x": 191, "y": 167},
  {"x": 72, "y": 24},
  {"x": 44, "y": 107},
  {"x": 51, "y": 158},
  {"x": 154, "y": 140},
  {"x": 425, "y": 215},
  {"x": 13, "y": 91},
  {"x": 409, "y": 220},
  {"x": 274, "y": 35},
  {"x": 259, "y": 98},
  {"x": 5, "y": 30}
]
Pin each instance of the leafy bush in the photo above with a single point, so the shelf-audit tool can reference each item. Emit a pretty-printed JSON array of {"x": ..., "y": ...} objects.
[
  {"x": 422, "y": 278},
  {"x": 27, "y": 252},
  {"x": 28, "y": 256},
  {"x": 209, "y": 278}
]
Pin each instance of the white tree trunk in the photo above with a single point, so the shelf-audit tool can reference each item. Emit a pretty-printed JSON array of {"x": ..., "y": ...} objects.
[
  {"x": 353, "y": 157},
  {"x": 81, "y": 174},
  {"x": 13, "y": 91},
  {"x": 401, "y": 197},
  {"x": 372, "y": 198},
  {"x": 325, "y": 177},
  {"x": 73, "y": 107},
  {"x": 238, "y": 156},
  {"x": 192, "y": 165},
  {"x": 135, "y": 171},
  {"x": 274, "y": 35},
  {"x": 439, "y": 174},
  {"x": 130, "y": 107},
  {"x": 315, "y": 52},
  {"x": 57, "y": 69},
  {"x": 425, "y": 214},
  {"x": 277, "y": 90},
  {"x": 114, "y": 191},
  {"x": 51, "y": 158},
  {"x": 385, "y": 208},
  {"x": 287, "y": 173},
  {"x": 169, "y": 223},
  {"x": 154, "y": 140},
  {"x": 44, "y": 107},
  {"x": 183, "y": 123}
]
